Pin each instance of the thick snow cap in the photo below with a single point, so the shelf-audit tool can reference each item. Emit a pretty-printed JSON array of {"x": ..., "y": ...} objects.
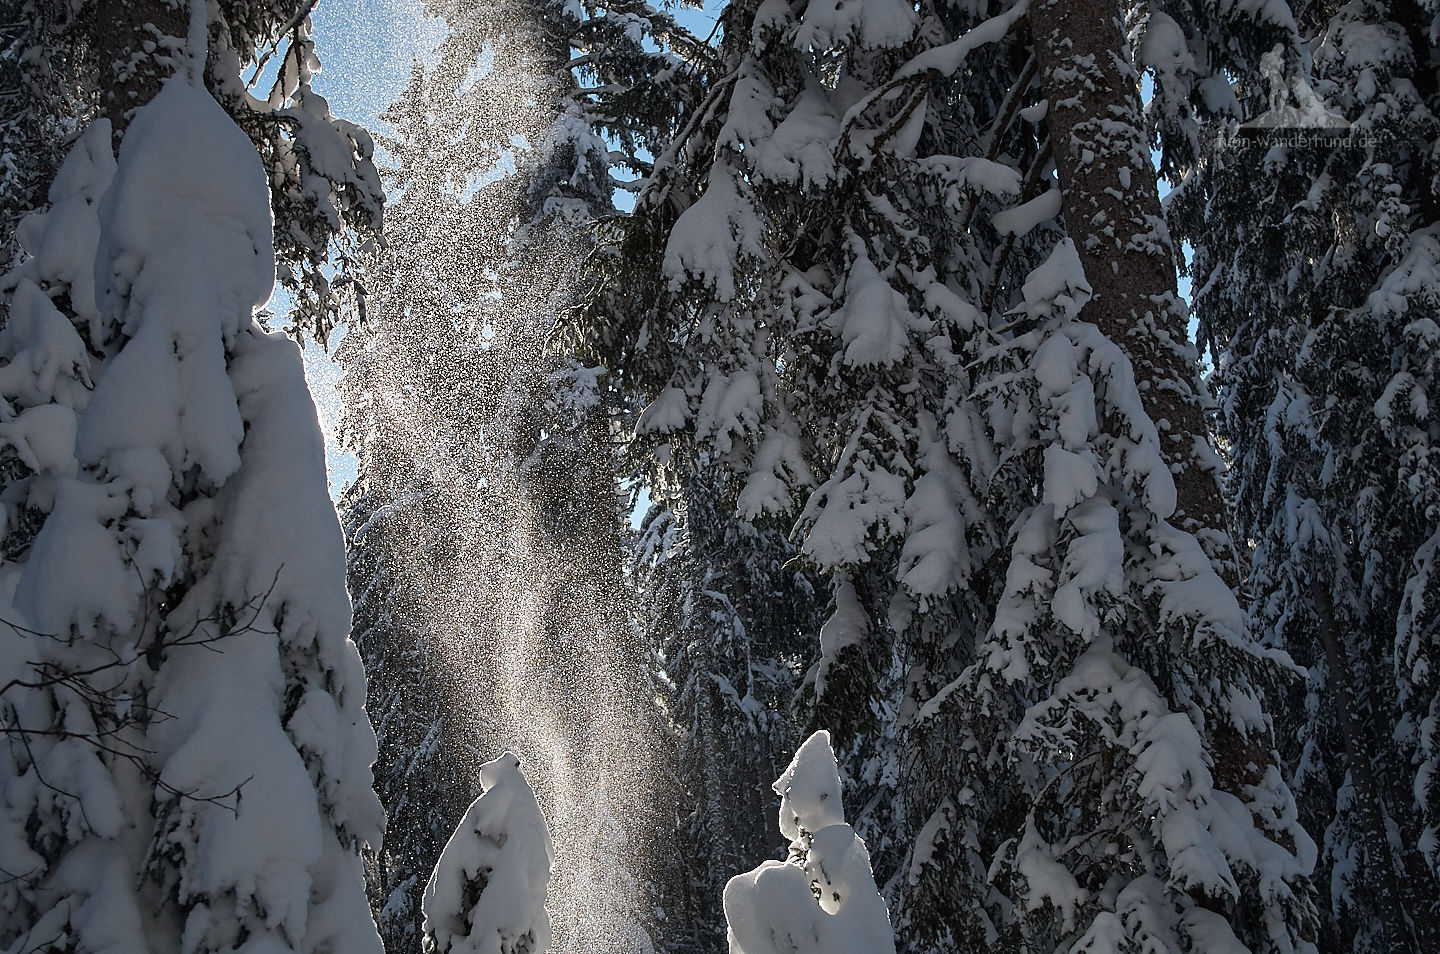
[
  {"x": 501, "y": 856},
  {"x": 180, "y": 268},
  {"x": 62, "y": 240},
  {"x": 824, "y": 900},
  {"x": 809, "y": 789}
]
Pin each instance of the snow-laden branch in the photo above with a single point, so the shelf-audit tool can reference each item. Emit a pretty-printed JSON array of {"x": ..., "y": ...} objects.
[{"x": 946, "y": 59}]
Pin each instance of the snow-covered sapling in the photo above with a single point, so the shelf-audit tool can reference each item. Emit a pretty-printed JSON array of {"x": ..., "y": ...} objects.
[
  {"x": 823, "y": 899},
  {"x": 487, "y": 893}
]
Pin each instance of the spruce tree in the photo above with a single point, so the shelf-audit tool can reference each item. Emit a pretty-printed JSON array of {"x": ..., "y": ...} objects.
[
  {"x": 844, "y": 296},
  {"x": 1315, "y": 261},
  {"x": 40, "y": 106},
  {"x": 760, "y": 248},
  {"x": 1112, "y": 210},
  {"x": 187, "y": 753},
  {"x": 487, "y": 893}
]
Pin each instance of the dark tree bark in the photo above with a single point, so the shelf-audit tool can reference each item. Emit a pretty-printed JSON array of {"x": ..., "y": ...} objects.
[
  {"x": 138, "y": 44},
  {"x": 1112, "y": 211}
]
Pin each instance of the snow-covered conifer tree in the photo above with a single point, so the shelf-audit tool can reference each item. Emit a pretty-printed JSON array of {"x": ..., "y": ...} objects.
[
  {"x": 729, "y": 316},
  {"x": 822, "y": 899},
  {"x": 846, "y": 297},
  {"x": 187, "y": 757},
  {"x": 487, "y": 892},
  {"x": 1316, "y": 267}
]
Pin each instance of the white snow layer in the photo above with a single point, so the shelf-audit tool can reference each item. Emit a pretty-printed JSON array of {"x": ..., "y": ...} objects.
[
  {"x": 62, "y": 241},
  {"x": 1019, "y": 220},
  {"x": 487, "y": 893},
  {"x": 1163, "y": 49},
  {"x": 847, "y": 626},
  {"x": 719, "y": 230},
  {"x": 948, "y": 58},
  {"x": 852, "y": 512},
  {"x": 778, "y": 465},
  {"x": 197, "y": 458},
  {"x": 875, "y": 320},
  {"x": 935, "y": 559},
  {"x": 1059, "y": 286},
  {"x": 801, "y": 151},
  {"x": 876, "y": 24},
  {"x": 823, "y": 900}
]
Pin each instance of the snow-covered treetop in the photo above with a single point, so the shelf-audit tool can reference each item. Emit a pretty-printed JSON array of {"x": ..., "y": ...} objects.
[
  {"x": 809, "y": 789},
  {"x": 324, "y": 188},
  {"x": 823, "y": 900},
  {"x": 487, "y": 893}
]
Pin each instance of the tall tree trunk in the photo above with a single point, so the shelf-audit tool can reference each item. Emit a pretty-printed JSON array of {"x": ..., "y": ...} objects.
[
  {"x": 1112, "y": 210},
  {"x": 139, "y": 44}
]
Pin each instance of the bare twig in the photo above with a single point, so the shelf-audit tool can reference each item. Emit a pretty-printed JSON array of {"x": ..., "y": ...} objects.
[{"x": 112, "y": 711}]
